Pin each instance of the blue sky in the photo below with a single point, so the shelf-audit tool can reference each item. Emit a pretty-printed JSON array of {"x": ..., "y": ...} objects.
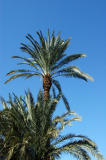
[{"x": 85, "y": 22}]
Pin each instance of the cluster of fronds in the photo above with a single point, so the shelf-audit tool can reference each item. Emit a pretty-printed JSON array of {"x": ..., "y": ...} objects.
[
  {"x": 29, "y": 131},
  {"x": 47, "y": 56}
]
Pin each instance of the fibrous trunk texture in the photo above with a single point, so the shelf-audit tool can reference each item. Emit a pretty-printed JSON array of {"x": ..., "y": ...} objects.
[{"x": 47, "y": 82}]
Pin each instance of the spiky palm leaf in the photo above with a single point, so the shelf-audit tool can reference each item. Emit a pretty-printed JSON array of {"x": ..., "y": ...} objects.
[
  {"x": 48, "y": 60},
  {"x": 30, "y": 131}
]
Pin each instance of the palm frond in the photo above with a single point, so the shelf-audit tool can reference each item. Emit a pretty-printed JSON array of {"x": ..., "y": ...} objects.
[
  {"x": 78, "y": 147},
  {"x": 29, "y": 62},
  {"x": 19, "y": 70},
  {"x": 34, "y": 42},
  {"x": 27, "y": 49},
  {"x": 4, "y": 104},
  {"x": 33, "y": 74},
  {"x": 42, "y": 40},
  {"x": 57, "y": 39},
  {"x": 30, "y": 105},
  {"x": 66, "y": 102},
  {"x": 57, "y": 84},
  {"x": 52, "y": 39},
  {"x": 72, "y": 71},
  {"x": 26, "y": 75},
  {"x": 64, "y": 120},
  {"x": 67, "y": 60}
]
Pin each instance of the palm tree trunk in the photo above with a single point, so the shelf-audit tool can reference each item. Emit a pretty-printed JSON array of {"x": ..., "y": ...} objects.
[{"x": 47, "y": 82}]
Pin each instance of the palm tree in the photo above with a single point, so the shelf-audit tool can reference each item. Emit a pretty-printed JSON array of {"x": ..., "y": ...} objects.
[
  {"x": 31, "y": 132},
  {"x": 48, "y": 60}
]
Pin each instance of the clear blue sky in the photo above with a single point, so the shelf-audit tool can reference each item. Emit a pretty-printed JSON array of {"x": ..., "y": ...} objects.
[{"x": 85, "y": 22}]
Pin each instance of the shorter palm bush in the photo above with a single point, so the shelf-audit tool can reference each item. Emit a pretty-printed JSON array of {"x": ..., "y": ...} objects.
[{"x": 30, "y": 131}]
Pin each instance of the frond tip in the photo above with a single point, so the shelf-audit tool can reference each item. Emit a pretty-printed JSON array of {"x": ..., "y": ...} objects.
[
  {"x": 84, "y": 55},
  {"x": 87, "y": 76}
]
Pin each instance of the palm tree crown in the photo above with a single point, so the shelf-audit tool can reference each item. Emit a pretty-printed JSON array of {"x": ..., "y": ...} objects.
[
  {"x": 48, "y": 60},
  {"x": 29, "y": 131}
]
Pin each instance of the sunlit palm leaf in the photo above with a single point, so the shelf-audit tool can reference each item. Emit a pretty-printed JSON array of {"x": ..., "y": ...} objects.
[
  {"x": 26, "y": 75},
  {"x": 29, "y": 61},
  {"x": 68, "y": 59}
]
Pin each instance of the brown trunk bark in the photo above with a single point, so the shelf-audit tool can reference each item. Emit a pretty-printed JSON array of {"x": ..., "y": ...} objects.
[{"x": 47, "y": 82}]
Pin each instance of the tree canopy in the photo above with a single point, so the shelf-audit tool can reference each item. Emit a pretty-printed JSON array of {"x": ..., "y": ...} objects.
[{"x": 29, "y": 131}]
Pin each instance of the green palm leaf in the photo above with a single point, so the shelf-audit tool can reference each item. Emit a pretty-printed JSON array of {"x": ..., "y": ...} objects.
[
  {"x": 29, "y": 62},
  {"x": 34, "y": 43},
  {"x": 26, "y": 75},
  {"x": 67, "y": 60}
]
